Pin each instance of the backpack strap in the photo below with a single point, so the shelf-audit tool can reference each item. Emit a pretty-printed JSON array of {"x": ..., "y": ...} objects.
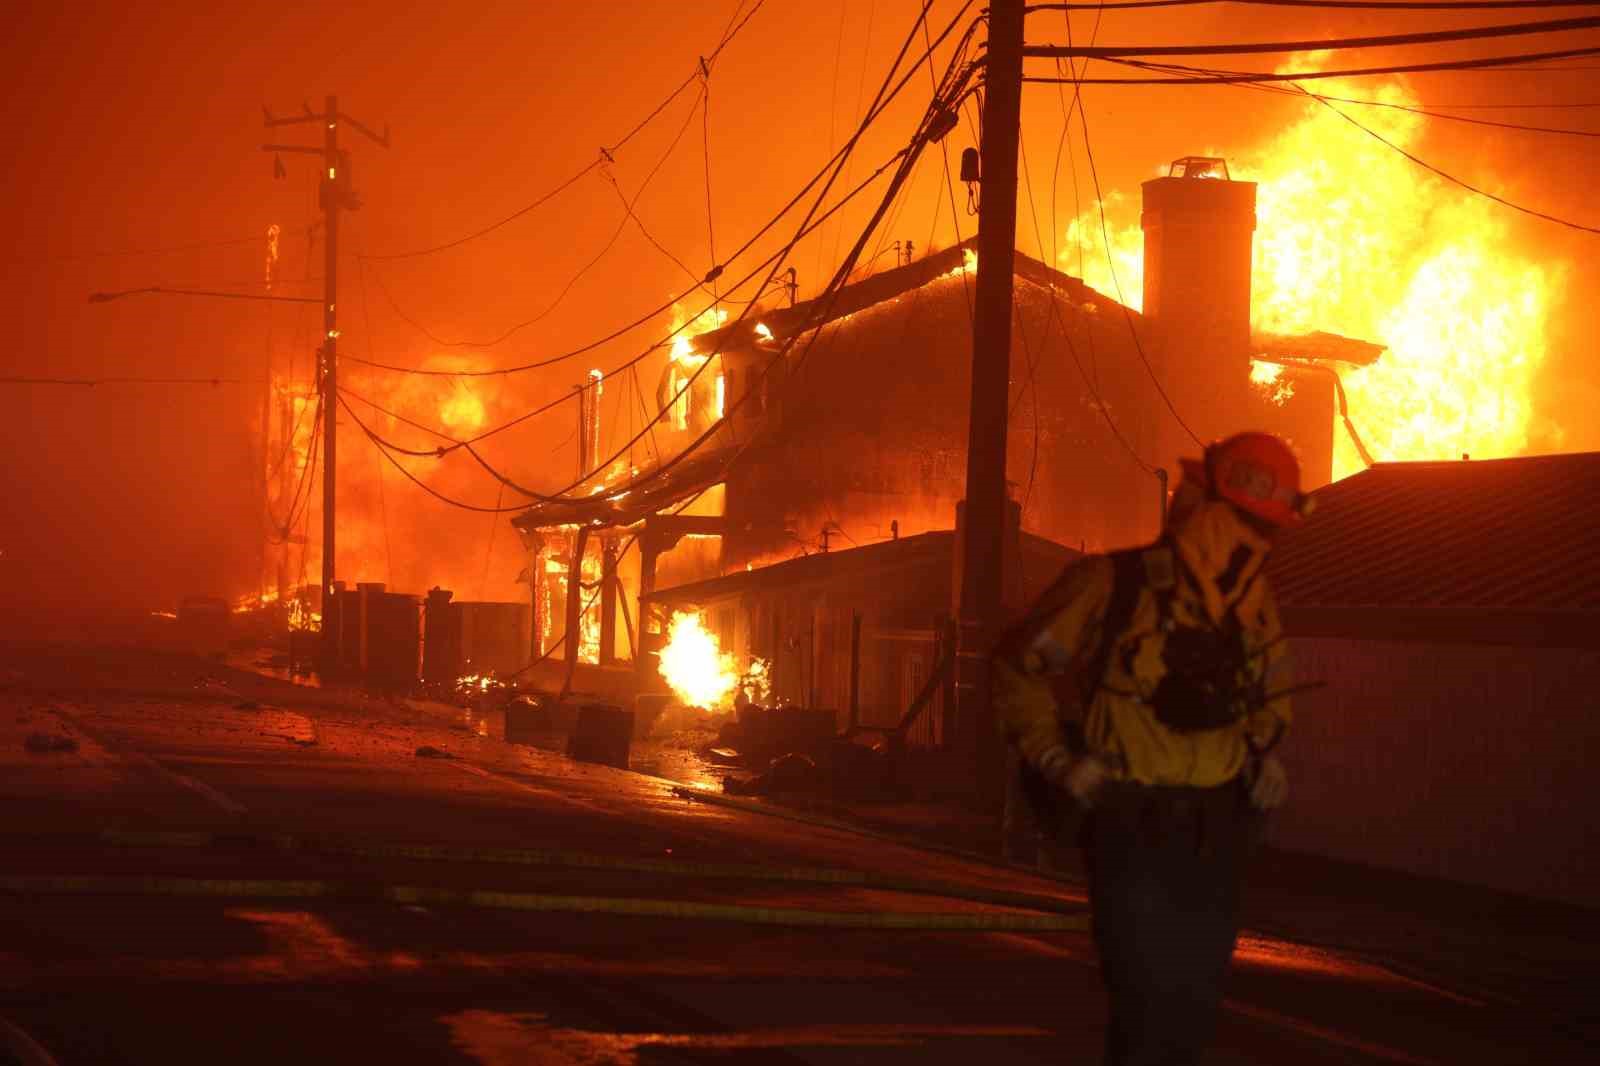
[{"x": 1129, "y": 576}]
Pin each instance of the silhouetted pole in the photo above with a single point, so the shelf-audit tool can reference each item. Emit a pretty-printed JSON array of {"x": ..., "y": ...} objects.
[
  {"x": 574, "y": 612},
  {"x": 335, "y": 194},
  {"x": 983, "y": 542},
  {"x": 330, "y": 187}
]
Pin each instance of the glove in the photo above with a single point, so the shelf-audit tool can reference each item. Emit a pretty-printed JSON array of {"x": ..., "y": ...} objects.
[
  {"x": 1079, "y": 776},
  {"x": 1270, "y": 786}
]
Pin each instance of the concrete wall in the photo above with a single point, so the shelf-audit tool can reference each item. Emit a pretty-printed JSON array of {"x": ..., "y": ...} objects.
[{"x": 1470, "y": 762}]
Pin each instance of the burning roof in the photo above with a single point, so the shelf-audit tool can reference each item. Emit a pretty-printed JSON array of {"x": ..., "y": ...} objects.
[
  {"x": 674, "y": 485},
  {"x": 767, "y": 330}
]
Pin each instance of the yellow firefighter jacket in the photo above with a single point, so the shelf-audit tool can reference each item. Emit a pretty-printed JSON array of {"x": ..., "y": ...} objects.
[{"x": 1120, "y": 722}]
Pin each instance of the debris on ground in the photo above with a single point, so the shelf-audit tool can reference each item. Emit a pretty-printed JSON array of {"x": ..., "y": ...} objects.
[
  {"x": 724, "y": 756},
  {"x": 45, "y": 743},
  {"x": 675, "y": 720},
  {"x": 428, "y": 751},
  {"x": 792, "y": 772}
]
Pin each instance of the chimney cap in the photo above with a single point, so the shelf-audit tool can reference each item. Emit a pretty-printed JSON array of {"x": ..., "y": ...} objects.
[{"x": 1199, "y": 166}]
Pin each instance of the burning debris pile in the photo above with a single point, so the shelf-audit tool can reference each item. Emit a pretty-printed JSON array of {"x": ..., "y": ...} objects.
[
  {"x": 475, "y": 685},
  {"x": 1353, "y": 238},
  {"x": 701, "y": 674}
]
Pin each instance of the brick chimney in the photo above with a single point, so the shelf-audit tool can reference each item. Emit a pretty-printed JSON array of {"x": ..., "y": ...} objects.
[{"x": 1198, "y": 226}]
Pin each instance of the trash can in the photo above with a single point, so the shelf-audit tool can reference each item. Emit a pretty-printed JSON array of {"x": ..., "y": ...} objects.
[
  {"x": 602, "y": 734},
  {"x": 535, "y": 719}
]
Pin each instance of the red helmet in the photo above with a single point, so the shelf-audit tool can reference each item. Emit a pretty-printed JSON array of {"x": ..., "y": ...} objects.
[{"x": 1257, "y": 473}]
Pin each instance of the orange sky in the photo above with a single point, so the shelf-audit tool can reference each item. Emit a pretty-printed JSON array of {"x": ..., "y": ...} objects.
[{"x": 138, "y": 126}]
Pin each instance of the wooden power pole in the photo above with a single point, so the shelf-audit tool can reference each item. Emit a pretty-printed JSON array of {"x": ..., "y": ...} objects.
[
  {"x": 983, "y": 541},
  {"x": 336, "y": 194}
]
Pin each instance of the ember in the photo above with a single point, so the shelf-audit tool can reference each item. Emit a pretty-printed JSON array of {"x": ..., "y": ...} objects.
[{"x": 474, "y": 684}]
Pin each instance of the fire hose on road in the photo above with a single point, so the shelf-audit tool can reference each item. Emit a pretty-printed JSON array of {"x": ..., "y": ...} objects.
[
  {"x": 361, "y": 892},
  {"x": 1051, "y": 914}
]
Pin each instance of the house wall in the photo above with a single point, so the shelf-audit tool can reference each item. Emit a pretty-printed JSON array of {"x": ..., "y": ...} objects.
[
  {"x": 868, "y": 423},
  {"x": 872, "y": 425},
  {"x": 1469, "y": 762},
  {"x": 805, "y": 633}
]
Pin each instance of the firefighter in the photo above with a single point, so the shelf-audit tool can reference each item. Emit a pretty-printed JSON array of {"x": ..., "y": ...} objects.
[{"x": 1144, "y": 694}]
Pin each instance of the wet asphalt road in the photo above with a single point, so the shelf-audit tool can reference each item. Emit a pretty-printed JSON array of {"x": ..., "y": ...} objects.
[{"x": 168, "y": 743}]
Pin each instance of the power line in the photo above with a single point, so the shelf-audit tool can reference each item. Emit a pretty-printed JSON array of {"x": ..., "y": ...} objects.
[
  {"x": 1067, "y": 111},
  {"x": 944, "y": 151},
  {"x": 423, "y": 485},
  {"x": 874, "y": 112},
  {"x": 909, "y": 156},
  {"x": 1332, "y": 44},
  {"x": 861, "y": 84},
  {"x": 705, "y": 144},
  {"x": 839, "y": 279},
  {"x": 383, "y": 502},
  {"x": 1427, "y": 112},
  {"x": 1361, "y": 5},
  {"x": 1105, "y": 237},
  {"x": 90, "y": 382},
  {"x": 905, "y": 157},
  {"x": 639, "y": 224},
  {"x": 107, "y": 297},
  {"x": 1022, "y": 333},
  {"x": 833, "y": 101},
  {"x": 1424, "y": 164},
  {"x": 299, "y": 501},
  {"x": 1520, "y": 106},
  {"x": 884, "y": 96},
  {"x": 397, "y": 416},
  {"x": 1055, "y": 311},
  {"x": 1091, "y": 383},
  {"x": 632, "y": 362},
  {"x": 571, "y": 282},
  {"x": 1480, "y": 63},
  {"x": 567, "y": 397},
  {"x": 605, "y": 155},
  {"x": 669, "y": 303}
]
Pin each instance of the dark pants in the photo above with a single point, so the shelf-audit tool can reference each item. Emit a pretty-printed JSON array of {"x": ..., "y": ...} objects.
[{"x": 1165, "y": 866}]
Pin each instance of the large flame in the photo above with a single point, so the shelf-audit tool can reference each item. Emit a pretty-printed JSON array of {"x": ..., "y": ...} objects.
[
  {"x": 687, "y": 359},
  {"x": 687, "y": 326},
  {"x": 1353, "y": 238},
  {"x": 699, "y": 672},
  {"x": 462, "y": 408}
]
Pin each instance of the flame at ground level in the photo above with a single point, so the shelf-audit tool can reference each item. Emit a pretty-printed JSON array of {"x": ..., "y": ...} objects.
[{"x": 699, "y": 672}]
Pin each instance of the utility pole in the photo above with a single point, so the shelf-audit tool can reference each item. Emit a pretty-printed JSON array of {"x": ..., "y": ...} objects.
[
  {"x": 984, "y": 536},
  {"x": 335, "y": 194}
]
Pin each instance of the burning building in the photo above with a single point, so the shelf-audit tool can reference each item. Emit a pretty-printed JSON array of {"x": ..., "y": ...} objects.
[
  {"x": 867, "y": 632},
  {"x": 842, "y": 420}
]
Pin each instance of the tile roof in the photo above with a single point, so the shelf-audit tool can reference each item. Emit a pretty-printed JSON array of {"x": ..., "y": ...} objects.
[{"x": 1506, "y": 534}]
